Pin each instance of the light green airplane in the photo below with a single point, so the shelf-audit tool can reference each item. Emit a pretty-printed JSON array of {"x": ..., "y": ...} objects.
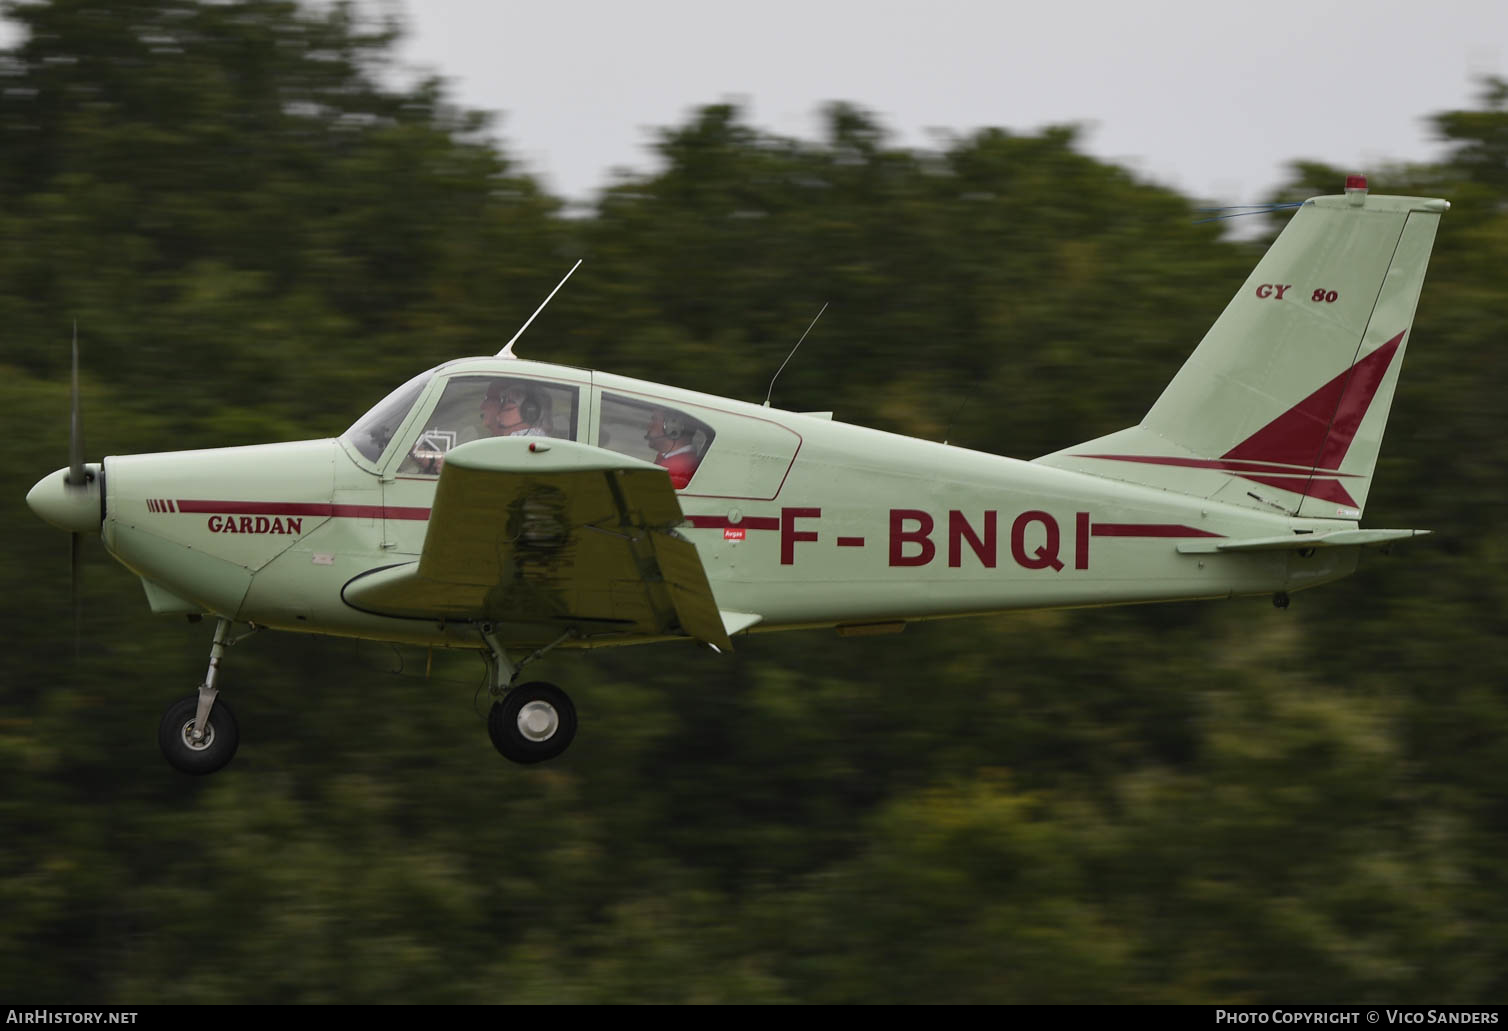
[{"x": 514, "y": 507}]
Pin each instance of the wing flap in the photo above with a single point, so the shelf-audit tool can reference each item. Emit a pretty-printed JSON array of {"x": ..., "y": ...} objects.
[{"x": 690, "y": 593}]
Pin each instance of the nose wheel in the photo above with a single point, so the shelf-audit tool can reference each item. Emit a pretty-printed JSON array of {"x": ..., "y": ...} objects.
[
  {"x": 194, "y": 753},
  {"x": 532, "y": 723},
  {"x": 198, "y": 734}
]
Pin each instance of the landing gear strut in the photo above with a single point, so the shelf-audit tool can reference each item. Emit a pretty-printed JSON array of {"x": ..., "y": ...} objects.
[
  {"x": 197, "y": 735},
  {"x": 532, "y": 722}
]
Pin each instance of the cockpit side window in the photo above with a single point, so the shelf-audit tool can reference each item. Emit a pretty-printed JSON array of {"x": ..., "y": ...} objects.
[
  {"x": 473, "y": 407},
  {"x": 655, "y": 432},
  {"x": 370, "y": 434}
]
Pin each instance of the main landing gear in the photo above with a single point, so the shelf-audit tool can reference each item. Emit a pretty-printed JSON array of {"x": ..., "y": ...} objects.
[
  {"x": 528, "y": 723},
  {"x": 531, "y": 722},
  {"x": 198, "y": 735}
]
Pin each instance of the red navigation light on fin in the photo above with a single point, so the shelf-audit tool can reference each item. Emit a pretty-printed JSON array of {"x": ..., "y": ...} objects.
[{"x": 1356, "y": 189}]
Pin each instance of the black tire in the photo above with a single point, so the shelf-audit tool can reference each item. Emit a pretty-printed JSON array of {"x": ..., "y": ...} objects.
[
  {"x": 218, "y": 747},
  {"x": 543, "y": 707}
]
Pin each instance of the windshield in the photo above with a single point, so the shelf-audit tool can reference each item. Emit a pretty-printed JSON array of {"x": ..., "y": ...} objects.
[{"x": 370, "y": 434}]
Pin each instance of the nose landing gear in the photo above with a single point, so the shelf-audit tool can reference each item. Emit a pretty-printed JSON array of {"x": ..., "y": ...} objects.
[
  {"x": 189, "y": 751},
  {"x": 197, "y": 735}
]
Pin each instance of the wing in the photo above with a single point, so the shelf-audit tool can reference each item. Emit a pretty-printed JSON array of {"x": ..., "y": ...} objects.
[{"x": 556, "y": 535}]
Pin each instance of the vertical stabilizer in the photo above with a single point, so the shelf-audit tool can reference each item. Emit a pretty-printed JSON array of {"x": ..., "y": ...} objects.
[{"x": 1284, "y": 402}]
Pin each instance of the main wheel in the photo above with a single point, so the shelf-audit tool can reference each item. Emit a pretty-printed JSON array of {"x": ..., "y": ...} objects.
[
  {"x": 183, "y": 753},
  {"x": 532, "y": 723}
]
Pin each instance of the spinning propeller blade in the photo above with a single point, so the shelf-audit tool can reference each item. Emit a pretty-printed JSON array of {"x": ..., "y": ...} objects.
[
  {"x": 77, "y": 479},
  {"x": 76, "y": 475},
  {"x": 75, "y": 543}
]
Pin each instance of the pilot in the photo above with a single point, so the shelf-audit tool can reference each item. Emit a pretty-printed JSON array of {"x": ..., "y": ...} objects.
[
  {"x": 513, "y": 409},
  {"x": 672, "y": 436}
]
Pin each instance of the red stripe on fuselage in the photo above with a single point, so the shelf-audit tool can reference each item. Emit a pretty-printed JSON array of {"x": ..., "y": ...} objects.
[
  {"x": 1147, "y": 530},
  {"x": 302, "y": 508},
  {"x": 707, "y": 522}
]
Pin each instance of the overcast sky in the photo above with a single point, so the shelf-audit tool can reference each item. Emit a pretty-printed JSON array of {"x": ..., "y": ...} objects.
[{"x": 1210, "y": 97}]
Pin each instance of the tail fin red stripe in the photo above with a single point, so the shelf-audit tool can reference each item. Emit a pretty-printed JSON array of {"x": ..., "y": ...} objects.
[{"x": 1318, "y": 430}]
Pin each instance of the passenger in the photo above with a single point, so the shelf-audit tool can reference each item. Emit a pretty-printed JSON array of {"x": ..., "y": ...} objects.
[
  {"x": 672, "y": 436},
  {"x": 513, "y": 409}
]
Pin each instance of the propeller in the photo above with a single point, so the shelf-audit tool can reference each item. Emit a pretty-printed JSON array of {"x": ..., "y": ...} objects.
[
  {"x": 78, "y": 479},
  {"x": 75, "y": 544},
  {"x": 71, "y": 498},
  {"x": 76, "y": 475}
]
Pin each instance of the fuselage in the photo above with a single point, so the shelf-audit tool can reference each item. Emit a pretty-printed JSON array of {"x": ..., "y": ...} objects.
[{"x": 800, "y": 519}]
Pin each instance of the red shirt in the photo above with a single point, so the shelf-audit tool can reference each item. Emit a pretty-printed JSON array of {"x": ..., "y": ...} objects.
[{"x": 682, "y": 463}]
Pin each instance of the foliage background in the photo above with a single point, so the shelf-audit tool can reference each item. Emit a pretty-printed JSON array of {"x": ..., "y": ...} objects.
[{"x": 260, "y": 234}]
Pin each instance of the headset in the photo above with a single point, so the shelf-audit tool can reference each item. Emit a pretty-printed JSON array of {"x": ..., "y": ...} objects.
[
  {"x": 675, "y": 425},
  {"x": 529, "y": 409},
  {"x": 529, "y": 406}
]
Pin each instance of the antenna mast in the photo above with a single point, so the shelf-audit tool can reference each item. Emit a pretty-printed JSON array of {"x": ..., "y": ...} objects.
[
  {"x": 788, "y": 357},
  {"x": 507, "y": 351}
]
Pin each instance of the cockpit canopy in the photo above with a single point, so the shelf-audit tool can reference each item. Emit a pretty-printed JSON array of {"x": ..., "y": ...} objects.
[{"x": 467, "y": 399}]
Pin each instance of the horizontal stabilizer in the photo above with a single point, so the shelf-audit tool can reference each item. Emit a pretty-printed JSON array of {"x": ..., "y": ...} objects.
[{"x": 1300, "y": 541}]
